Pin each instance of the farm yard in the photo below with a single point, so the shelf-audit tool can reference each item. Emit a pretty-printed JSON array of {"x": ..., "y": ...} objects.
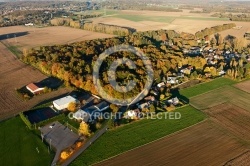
[
  {"x": 202, "y": 143},
  {"x": 20, "y": 146},
  {"x": 15, "y": 75}
]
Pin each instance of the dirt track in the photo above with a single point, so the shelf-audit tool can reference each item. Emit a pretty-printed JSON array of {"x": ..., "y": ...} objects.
[
  {"x": 15, "y": 74},
  {"x": 202, "y": 144}
]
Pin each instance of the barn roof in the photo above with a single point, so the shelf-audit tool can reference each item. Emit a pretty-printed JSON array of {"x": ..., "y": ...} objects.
[
  {"x": 32, "y": 86},
  {"x": 64, "y": 100}
]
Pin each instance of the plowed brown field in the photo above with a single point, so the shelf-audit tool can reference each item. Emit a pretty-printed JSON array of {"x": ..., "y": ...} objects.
[
  {"x": 245, "y": 86},
  {"x": 232, "y": 118}
]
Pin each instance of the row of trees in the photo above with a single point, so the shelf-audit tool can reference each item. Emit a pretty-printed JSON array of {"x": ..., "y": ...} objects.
[
  {"x": 109, "y": 29},
  {"x": 233, "y": 17},
  {"x": 209, "y": 31}
]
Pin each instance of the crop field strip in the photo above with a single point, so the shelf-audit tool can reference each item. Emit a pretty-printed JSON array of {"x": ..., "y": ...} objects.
[
  {"x": 201, "y": 144},
  {"x": 245, "y": 86},
  {"x": 225, "y": 94},
  {"x": 232, "y": 118}
]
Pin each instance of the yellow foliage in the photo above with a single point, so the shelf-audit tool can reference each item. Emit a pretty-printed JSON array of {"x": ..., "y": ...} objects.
[
  {"x": 78, "y": 144},
  {"x": 84, "y": 129},
  {"x": 64, "y": 155},
  {"x": 72, "y": 106}
]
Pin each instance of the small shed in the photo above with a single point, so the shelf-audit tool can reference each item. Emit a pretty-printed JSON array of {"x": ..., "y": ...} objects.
[{"x": 35, "y": 89}]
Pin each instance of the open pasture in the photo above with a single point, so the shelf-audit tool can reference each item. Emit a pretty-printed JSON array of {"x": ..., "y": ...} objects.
[{"x": 20, "y": 146}]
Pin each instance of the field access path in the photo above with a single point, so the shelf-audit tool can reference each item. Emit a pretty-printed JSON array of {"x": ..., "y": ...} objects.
[{"x": 15, "y": 74}]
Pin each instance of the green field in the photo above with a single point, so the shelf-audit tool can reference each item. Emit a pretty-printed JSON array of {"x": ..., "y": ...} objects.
[
  {"x": 136, "y": 134},
  {"x": 137, "y": 18},
  {"x": 225, "y": 94},
  {"x": 165, "y": 19},
  {"x": 206, "y": 87},
  {"x": 18, "y": 145}
]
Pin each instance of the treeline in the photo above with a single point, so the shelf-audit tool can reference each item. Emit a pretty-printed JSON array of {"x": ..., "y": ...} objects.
[
  {"x": 232, "y": 17},
  {"x": 103, "y": 28},
  {"x": 209, "y": 31},
  {"x": 109, "y": 29}
]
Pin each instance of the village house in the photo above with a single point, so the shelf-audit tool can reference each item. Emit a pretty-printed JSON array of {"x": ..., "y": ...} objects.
[
  {"x": 161, "y": 85},
  {"x": 63, "y": 103},
  {"x": 34, "y": 88},
  {"x": 175, "y": 101},
  {"x": 91, "y": 113},
  {"x": 172, "y": 80}
]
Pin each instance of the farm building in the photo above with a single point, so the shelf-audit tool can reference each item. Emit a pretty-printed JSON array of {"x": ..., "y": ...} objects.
[
  {"x": 91, "y": 113},
  {"x": 63, "y": 103},
  {"x": 35, "y": 89}
]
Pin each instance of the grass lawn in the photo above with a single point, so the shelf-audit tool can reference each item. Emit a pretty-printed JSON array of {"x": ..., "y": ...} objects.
[
  {"x": 136, "y": 134},
  {"x": 18, "y": 145},
  {"x": 205, "y": 87}
]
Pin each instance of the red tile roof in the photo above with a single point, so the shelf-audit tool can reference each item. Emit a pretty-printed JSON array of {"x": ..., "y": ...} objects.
[{"x": 32, "y": 86}]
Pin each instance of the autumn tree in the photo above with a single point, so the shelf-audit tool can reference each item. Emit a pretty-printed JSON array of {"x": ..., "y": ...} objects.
[
  {"x": 114, "y": 108},
  {"x": 72, "y": 106},
  {"x": 84, "y": 129}
]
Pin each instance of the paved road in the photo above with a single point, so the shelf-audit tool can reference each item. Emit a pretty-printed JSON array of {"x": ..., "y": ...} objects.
[{"x": 83, "y": 148}]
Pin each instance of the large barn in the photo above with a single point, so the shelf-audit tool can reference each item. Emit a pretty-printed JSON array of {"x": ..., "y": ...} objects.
[{"x": 63, "y": 103}]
